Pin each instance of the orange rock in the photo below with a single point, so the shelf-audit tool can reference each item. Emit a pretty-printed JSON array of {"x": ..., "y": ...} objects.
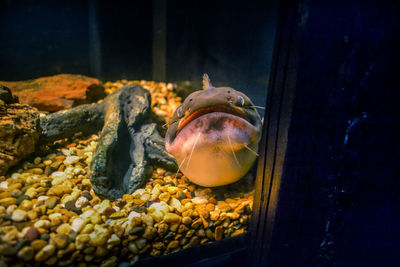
[{"x": 57, "y": 92}]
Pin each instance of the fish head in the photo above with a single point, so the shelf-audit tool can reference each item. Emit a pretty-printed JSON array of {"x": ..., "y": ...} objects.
[{"x": 214, "y": 135}]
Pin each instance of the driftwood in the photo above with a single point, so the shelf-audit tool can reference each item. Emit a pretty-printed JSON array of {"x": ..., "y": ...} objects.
[{"x": 129, "y": 143}]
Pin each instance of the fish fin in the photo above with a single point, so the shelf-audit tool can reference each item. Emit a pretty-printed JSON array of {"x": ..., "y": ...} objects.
[{"x": 206, "y": 82}]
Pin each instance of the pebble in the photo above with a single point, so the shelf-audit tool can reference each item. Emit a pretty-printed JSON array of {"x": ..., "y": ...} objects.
[
  {"x": 45, "y": 253},
  {"x": 32, "y": 234},
  {"x": 26, "y": 253},
  {"x": 51, "y": 202},
  {"x": 219, "y": 233},
  {"x": 78, "y": 224},
  {"x": 61, "y": 241},
  {"x": 7, "y": 250},
  {"x": 8, "y": 201},
  {"x": 172, "y": 218},
  {"x": 38, "y": 244},
  {"x": 26, "y": 205},
  {"x": 19, "y": 215},
  {"x": 140, "y": 243},
  {"x": 81, "y": 202},
  {"x": 71, "y": 160}
]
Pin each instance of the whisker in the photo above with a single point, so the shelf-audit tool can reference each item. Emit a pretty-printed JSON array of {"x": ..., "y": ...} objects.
[
  {"x": 191, "y": 153},
  {"x": 179, "y": 167},
  {"x": 251, "y": 150},
  {"x": 256, "y": 107},
  {"x": 233, "y": 152}
]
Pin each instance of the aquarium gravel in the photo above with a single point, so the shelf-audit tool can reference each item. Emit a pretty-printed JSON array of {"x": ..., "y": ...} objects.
[{"x": 49, "y": 213}]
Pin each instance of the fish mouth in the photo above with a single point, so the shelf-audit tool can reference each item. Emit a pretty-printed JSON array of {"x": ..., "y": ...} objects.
[{"x": 217, "y": 108}]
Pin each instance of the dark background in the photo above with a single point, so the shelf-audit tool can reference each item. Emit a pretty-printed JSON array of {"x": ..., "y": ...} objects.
[{"x": 230, "y": 40}]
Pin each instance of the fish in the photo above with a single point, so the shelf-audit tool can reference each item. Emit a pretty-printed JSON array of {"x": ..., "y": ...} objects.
[{"x": 214, "y": 135}]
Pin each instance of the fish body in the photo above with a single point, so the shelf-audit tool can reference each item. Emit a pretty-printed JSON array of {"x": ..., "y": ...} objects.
[{"x": 214, "y": 135}]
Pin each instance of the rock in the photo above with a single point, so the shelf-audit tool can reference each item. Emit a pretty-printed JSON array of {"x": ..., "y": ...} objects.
[
  {"x": 32, "y": 234},
  {"x": 61, "y": 241},
  {"x": 172, "y": 218},
  {"x": 19, "y": 215},
  {"x": 133, "y": 248},
  {"x": 71, "y": 160},
  {"x": 187, "y": 220},
  {"x": 219, "y": 233},
  {"x": 99, "y": 236},
  {"x": 81, "y": 202},
  {"x": 57, "y": 92},
  {"x": 81, "y": 241},
  {"x": 70, "y": 205},
  {"x": 8, "y": 201},
  {"x": 59, "y": 190},
  {"x": 150, "y": 233},
  {"x": 63, "y": 229},
  {"x": 51, "y": 202},
  {"x": 6, "y": 96},
  {"x": 7, "y": 250},
  {"x": 110, "y": 262},
  {"x": 45, "y": 253},
  {"x": 194, "y": 241},
  {"x": 113, "y": 240},
  {"x": 42, "y": 224},
  {"x": 140, "y": 243},
  {"x": 173, "y": 245},
  {"x": 38, "y": 244},
  {"x": 26, "y": 253},
  {"x": 78, "y": 224},
  {"x": 19, "y": 133}
]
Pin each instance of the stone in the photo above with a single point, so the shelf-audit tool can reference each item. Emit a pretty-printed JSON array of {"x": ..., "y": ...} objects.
[
  {"x": 19, "y": 133},
  {"x": 8, "y": 201},
  {"x": 219, "y": 233},
  {"x": 25, "y": 204},
  {"x": 38, "y": 244},
  {"x": 32, "y": 234},
  {"x": 71, "y": 160},
  {"x": 140, "y": 243},
  {"x": 110, "y": 262},
  {"x": 19, "y": 215},
  {"x": 45, "y": 253},
  {"x": 81, "y": 241},
  {"x": 6, "y": 95},
  {"x": 150, "y": 233},
  {"x": 59, "y": 190},
  {"x": 63, "y": 229},
  {"x": 194, "y": 241},
  {"x": 78, "y": 224},
  {"x": 173, "y": 245},
  {"x": 172, "y": 218},
  {"x": 56, "y": 218},
  {"x": 61, "y": 241},
  {"x": 133, "y": 248},
  {"x": 187, "y": 220},
  {"x": 42, "y": 224},
  {"x": 113, "y": 240},
  {"x": 81, "y": 202},
  {"x": 57, "y": 92},
  {"x": 99, "y": 236},
  {"x": 51, "y": 202},
  {"x": 26, "y": 253}
]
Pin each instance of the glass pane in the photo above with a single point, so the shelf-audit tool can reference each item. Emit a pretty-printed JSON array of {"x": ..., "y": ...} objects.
[{"x": 129, "y": 130}]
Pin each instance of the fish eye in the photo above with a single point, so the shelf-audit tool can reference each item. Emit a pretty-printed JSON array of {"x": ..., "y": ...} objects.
[
  {"x": 240, "y": 101},
  {"x": 179, "y": 111}
]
